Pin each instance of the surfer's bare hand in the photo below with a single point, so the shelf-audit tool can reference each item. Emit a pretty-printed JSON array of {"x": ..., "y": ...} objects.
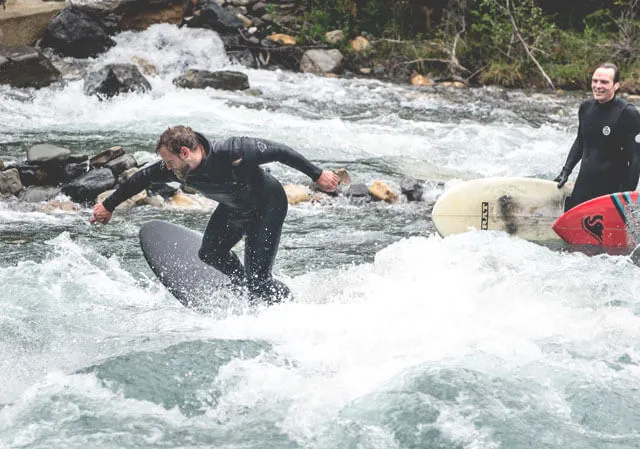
[
  {"x": 328, "y": 181},
  {"x": 100, "y": 214}
]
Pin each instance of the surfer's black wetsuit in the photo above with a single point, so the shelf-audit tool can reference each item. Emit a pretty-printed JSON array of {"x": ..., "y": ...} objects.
[
  {"x": 251, "y": 203},
  {"x": 608, "y": 143}
]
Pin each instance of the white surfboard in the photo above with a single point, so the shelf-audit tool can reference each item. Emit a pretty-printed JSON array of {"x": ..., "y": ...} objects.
[{"x": 524, "y": 207}]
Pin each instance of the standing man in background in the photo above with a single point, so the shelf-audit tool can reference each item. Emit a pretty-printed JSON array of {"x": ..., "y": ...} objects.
[{"x": 608, "y": 142}]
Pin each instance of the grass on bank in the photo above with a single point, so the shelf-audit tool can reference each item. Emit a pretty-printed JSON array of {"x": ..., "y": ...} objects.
[{"x": 475, "y": 40}]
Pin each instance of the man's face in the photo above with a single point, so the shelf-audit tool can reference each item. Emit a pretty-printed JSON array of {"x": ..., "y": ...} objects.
[
  {"x": 602, "y": 85},
  {"x": 175, "y": 162}
]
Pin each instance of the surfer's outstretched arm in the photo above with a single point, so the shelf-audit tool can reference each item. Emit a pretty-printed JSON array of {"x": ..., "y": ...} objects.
[
  {"x": 102, "y": 212},
  {"x": 247, "y": 151}
]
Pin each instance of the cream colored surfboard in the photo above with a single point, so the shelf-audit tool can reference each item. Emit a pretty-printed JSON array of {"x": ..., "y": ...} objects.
[{"x": 524, "y": 207}]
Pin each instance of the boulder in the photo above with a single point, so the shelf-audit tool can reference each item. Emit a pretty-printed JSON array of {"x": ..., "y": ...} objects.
[
  {"x": 41, "y": 174},
  {"x": 282, "y": 39},
  {"x": 209, "y": 14},
  {"x": 122, "y": 15},
  {"x": 10, "y": 181},
  {"x": 121, "y": 164},
  {"x": 359, "y": 44},
  {"x": 380, "y": 191},
  {"x": 343, "y": 176},
  {"x": 74, "y": 170},
  {"x": 38, "y": 194},
  {"x": 412, "y": 189},
  {"x": 243, "y": 57},
  {"x": 421, "y": 80},
  {"x": 297, "y": 193},
  {"x": 107, "y": 155},
  {"x": 321, "y": 61},
  {"x": 45, "y": 152},
  {"x": 288, "y": 57},
  {"x": 22, "y": 66},
  {"x": 74, "y": 33},
  {"x": 259, "y": 9},
  {"x": 356, "y": 191},
  {"x": 87, "y": 187},
  {"x": 114, "y": 79},
  {"x": 334, "y": 37},
  {"x": 225, "y": 80},
  {"x": 138, "y": 199}
]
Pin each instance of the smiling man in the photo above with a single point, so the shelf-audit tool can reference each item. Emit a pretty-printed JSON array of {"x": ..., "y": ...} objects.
[
  {"x": 608, "y": 142},
  {"x": 251, "y": 202}
]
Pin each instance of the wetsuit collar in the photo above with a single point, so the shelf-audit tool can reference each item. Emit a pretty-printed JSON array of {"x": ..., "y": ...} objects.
[
  {"x": 607, "y": 104},
  {"x": 202, "y": 140}
]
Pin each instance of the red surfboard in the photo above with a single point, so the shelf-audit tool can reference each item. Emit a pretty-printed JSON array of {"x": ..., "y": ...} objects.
[{"x": 609, "y": 221}]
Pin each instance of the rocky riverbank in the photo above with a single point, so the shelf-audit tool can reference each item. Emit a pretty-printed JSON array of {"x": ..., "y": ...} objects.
[
  {"x": 52, "y": 175},
  {"x": 255, "y": 34}
]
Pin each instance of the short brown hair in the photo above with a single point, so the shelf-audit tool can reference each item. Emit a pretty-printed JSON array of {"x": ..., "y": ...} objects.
[
  {"x": 612, "y": 66},
  {"x": 177, "y": 137}
]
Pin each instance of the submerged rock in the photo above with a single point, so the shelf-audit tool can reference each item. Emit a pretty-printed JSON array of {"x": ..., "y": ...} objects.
[
  {"x": 10, "y": 181},
  {"x": 224, "y": 79},
  {"x": 115, "y": 79},
  {"x": 23, "y": 66}
]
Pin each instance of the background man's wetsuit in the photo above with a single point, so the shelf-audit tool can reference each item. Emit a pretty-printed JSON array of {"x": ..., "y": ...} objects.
[
  {"x": 251, "y": 203},
  {"x": 608, "y": 143}
]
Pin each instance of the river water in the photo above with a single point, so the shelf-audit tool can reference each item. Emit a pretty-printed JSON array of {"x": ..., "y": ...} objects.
[{"x": 397, "y": 338}]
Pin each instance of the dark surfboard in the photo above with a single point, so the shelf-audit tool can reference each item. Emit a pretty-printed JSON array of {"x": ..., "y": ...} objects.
[{"x": 172, "y": 253}]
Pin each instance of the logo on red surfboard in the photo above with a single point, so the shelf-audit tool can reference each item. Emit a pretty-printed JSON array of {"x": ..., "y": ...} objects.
[{"x": 594, "y": 226}]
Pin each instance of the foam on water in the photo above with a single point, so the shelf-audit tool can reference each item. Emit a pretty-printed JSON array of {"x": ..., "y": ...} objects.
[
  {"x": 351, "y": 119},
  {"x": 479, "y": 303}
]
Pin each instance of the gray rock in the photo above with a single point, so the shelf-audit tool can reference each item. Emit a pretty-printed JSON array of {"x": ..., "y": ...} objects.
[
  {"x": 107, "y": 155},
  {"x": 225, "y": 80},
  {"x": 74, "y": 33},
  {"x": 243, "y": 57},
  {"x": 22, "y": 66},
  {"x": 412, "y": 189},
  {"x": 10, "y": 181},
  {"x": 322, "y": 61},
  {"x": 41, "y": 174},
  {"x": 115, "y": 79},
  {"x": 75, "y": 170},
  {"x": 356, "y": 190},
  {"x": 121, "y": 164},
  {"x": 209, "y": 14},
  {"x": 45, "y": 152},
  {"x": 35, "y": 194},
  {"x": 87, "y": 187},
  {"x": 335, "y": 36}
]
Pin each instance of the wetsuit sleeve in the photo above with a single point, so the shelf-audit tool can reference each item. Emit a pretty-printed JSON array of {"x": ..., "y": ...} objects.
[
  {"x": 248, "y": 151},
  {"x": 138, "y": 182},
  {"x": 630, "y": 123},
  {"x": 575, "y": 153}
]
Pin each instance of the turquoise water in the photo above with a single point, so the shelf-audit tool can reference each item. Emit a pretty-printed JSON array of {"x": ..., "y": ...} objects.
[{"x": 397, "y": 339}]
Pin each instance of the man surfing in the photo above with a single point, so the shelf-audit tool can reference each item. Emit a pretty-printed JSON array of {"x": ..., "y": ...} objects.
[{"x": 252, "y": 203}]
